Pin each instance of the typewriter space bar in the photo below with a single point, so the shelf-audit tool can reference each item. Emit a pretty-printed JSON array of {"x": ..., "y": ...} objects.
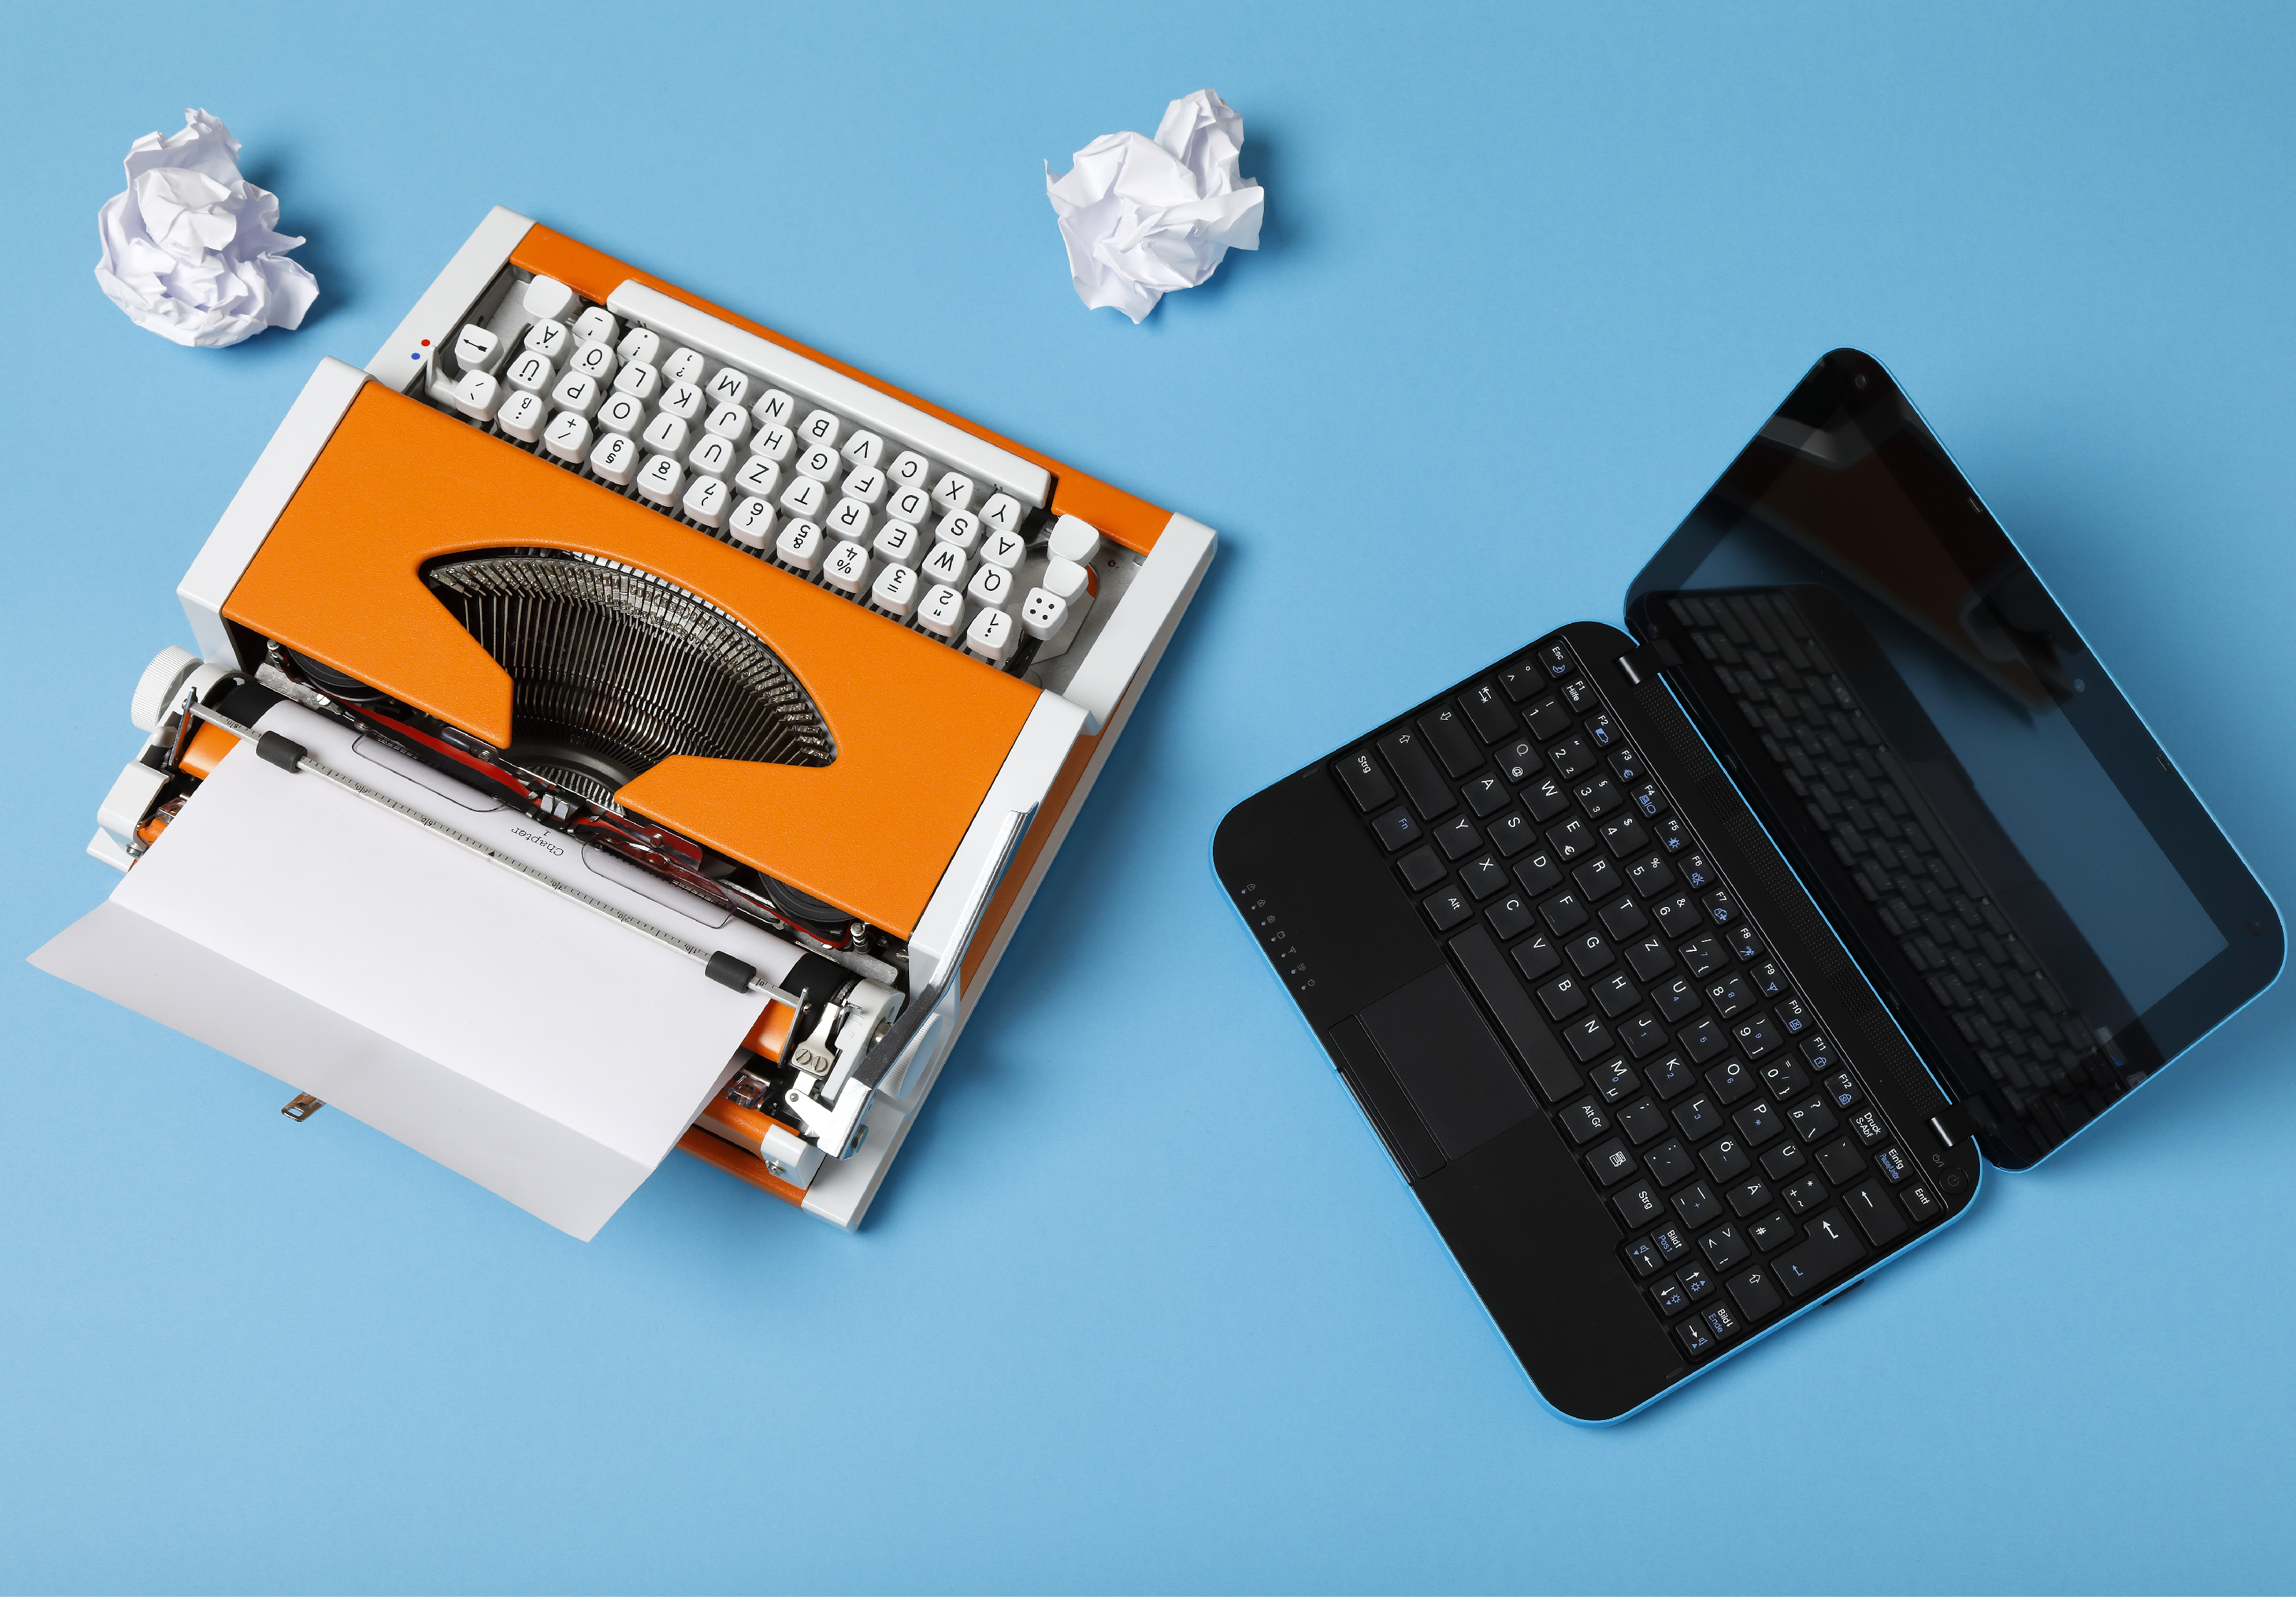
[{"x": 809, "y": 379}]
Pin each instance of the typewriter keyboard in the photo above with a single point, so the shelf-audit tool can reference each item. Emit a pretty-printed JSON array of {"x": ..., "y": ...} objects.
[
  {"x": 817, "y": 490},
  {"x": 1737, "y": 1151}
]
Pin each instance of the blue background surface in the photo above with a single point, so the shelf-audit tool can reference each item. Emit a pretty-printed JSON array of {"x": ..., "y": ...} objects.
[{"x": 1144, "y": 1305}]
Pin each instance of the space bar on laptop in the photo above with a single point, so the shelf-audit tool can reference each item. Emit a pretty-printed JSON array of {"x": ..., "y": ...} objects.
[
  {"x": 904, "y": 423},
  {"x": 1526, "y": 1033}
]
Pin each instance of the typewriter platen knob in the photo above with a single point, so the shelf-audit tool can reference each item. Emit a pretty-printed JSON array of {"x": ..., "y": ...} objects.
[{"x": 156, "y": 689}]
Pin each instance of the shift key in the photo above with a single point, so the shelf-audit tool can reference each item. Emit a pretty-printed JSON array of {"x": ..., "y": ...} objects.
[
  {"x": 1526, "y": 1030},
  {"x": 1830, "y": 1247},
  {"x": 1407, "y": 758}
]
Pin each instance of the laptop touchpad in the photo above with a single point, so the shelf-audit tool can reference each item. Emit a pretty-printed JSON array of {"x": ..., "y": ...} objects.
[{"x": 1455, "y": 1073}]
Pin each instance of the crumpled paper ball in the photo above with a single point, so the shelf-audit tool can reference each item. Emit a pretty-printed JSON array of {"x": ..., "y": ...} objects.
[
  {"x": 1142, "y": 218},
  {"x": 189, "y": 251}
]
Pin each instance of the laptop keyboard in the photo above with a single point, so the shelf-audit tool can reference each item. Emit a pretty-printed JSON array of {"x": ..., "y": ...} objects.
[
  {"x": 2031, "y": 1042},
  {"x": 1735, "y": 1148}
]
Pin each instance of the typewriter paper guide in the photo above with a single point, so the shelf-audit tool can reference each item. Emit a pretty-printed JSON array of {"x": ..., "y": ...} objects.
[
  {"x": 921, "y": 731},
  {"x": 548, "y": 1054}
]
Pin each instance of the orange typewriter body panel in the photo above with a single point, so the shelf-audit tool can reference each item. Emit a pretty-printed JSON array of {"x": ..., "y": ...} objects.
[{"x": 919, "y": 731}]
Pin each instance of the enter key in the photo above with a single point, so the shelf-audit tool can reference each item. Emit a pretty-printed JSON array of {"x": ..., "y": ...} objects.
[{"x": 1829, "y": 1246}]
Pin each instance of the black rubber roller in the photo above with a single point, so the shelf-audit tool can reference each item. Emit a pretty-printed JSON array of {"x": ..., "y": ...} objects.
[
  {"x": 283, "y": 752},
  {"x": 727, "y": 971}
]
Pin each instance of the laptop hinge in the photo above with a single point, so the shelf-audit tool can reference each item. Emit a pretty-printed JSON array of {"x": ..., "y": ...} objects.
[
  {"x": 1955, "y": 1125},
  {"x": 1639, "y": 665}
]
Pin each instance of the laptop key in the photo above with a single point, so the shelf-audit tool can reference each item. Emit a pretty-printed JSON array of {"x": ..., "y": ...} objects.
[
  {"x": 1447, "y": 909},
  {"x": 1448, "y": 736},
  {"x": 1397, "y": 829},
  {"x": 1611, "y": 1163},
  {"x": 1774, "y": 1231},
  {"x": 1510, "y": 917},
  {"x": 1420, "y": 869},
  {"x": 1828, "y": 1248},
  {"x": 1877, "y": 1213},
  {"x": 1366, "y": 783},
  {"x": 1754, "y": 1293},
  {"x": 1724, "y": 1247},
  {"x": 1407, "y": 755}
]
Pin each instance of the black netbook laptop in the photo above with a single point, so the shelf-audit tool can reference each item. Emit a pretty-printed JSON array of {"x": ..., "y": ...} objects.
[{"x": 1693, "y": 971}]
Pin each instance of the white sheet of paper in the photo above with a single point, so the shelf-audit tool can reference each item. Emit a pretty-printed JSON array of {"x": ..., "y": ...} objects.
[
  {"x": 1143, "y": 217},
  {"x": 546, "y": 1052}
]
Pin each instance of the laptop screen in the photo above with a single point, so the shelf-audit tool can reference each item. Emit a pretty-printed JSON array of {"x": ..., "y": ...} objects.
[{"x": 1928, "y": 735}]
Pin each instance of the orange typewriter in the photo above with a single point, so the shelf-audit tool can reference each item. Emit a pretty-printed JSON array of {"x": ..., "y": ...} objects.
[{"x": 613, "y": 726}]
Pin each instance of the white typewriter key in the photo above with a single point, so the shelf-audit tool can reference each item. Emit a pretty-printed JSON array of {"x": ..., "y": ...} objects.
[
  {"x": 667, "y": 434},
  {"x": 800, "y": 545},
  {"x": 660, "y": 478},
  {"x": 847, "y": 568},
  {"x": 706, "y": 501},
  {"x": 895, "y": 590},
  {"x": 752, "y": 522},
  {"x": 774, "y": 408},
  {"x": 593, "y": 361},
  {"x": 640, "y": 346},
  {"x": 712, "y": 455},
  {"x": 805, "y": 497},
  {"x": 991, "y": 635},
  {"x": 1003, "y": 511},
  {"x": 946, "y": 564},
  {"x": 1003, "y": 549},
  {"x": 991, "y": 585},
  {"x": 478, "y": 395},
  {"x": 954, "y": 492},
  {"x": 622, "y": 414},
  {"x": 685, "y": 401},
  {"x": 821, "y": 428},
  {"x": 478, "y": 350},
  {"x": 961, "y": 527},
  {"x": 685, "y": 365},
  {"x": 1074, "y": 539},
  {"x": 899, "y": 543},
  {"x": 819, "y": 463},
  {"x": 531, "y": 373},
  {"x": 615, "y": 459},
  {"x": 729, "y": 387},
  {"x": 849, "y": 520},
  {"x": 523, "y": 417},
  {"x": 773, "y": 443},
  {"x": 1065, "y": 579},
  {"x": 867, "y": 484},
  {"x": 1043, "y": 613},
  {"x": 909, "y": 469},
  {"x": 549, "y": 339},
  {"x": 596, "y": 325},
  {"x": 568, "y": 437},
  {"x": 942, "y": 613},
  {"x": 758, "y": 476},
  {"x": 550, "y": 300},
  {"x": 864, "y": 449},
  {"x": 728, "y": 421},
  {"x": 911, "y": 505},
  {"x": 638, "y": 380},
  {"x": 577, "y": 393}
]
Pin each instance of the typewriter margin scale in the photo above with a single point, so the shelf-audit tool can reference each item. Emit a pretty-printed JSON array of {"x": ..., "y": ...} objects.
[{"x": 1145, "y": 572}]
